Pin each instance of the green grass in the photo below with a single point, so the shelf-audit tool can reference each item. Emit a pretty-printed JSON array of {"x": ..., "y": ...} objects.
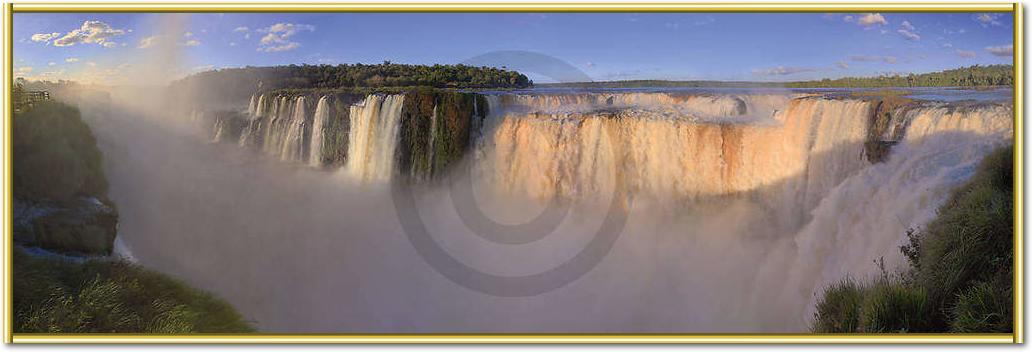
[
  {"x": 839, "y": 311},
  {"x": 961, "y": 274},
  {"x": 53, "y": 295}
]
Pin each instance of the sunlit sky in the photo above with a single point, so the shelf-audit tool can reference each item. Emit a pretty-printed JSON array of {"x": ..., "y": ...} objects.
[{"x": 755, "y": 47}]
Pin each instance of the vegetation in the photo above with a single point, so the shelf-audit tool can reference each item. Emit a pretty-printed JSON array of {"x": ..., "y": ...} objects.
[
  {"x": 972, "y": 76},
  {"x": 434, "y": 139},
  {"x": 886, "y": 102},
  {"x": 54, "y": 295},
  {"x": 240, "y": 83},
  {"x": 55, "y": 155},
  {"x": 961, "y": 268}
]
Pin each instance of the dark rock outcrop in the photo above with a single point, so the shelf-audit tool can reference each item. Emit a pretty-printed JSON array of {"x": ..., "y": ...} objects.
[{"x": 83, "y": 226}]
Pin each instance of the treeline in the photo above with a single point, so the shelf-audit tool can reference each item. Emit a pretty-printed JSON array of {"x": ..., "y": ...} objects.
[
  {"x": 653, "y": 83},
  {"x": 386, "y": 74},
  {"x": 240, "y": 83},
  {"x": 973, "y": 76}
]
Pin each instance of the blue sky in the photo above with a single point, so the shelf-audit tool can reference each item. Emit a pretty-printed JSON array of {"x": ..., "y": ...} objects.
[{"x": 762, "y": 47}]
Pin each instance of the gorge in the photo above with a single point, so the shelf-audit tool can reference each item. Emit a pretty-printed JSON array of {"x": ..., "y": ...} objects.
[{"x": 741, "y": 204}]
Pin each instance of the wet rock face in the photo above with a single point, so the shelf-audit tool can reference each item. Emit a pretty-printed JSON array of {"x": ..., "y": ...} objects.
[{"x": 84, "y": 225}]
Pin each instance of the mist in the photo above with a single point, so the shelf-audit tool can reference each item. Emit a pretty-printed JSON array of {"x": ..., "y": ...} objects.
[{"x": 735, "y": 220}]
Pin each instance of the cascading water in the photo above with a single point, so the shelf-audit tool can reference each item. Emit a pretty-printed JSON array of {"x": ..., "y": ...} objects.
[
  {"x": 322, "y": 112},
  {"x": 373, "y": 137},
  {"x": 746, "y": 205},
  {"x": 293, "y": 142},
  {"x": 257, "y": 110},
  {"x": 570, "y": 154},
  {"x": 864, "y": 217}
]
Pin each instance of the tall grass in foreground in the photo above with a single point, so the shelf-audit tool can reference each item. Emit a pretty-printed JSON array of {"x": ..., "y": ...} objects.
[
  {"x": 961, "y": 268},
  {"x": 54, "y": 295}
]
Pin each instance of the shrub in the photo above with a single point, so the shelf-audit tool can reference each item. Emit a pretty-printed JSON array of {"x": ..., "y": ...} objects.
[
  {"x": 983, "y": 307},
  {"x": 839, "y": 308},
  {"x": 894, "y": 307}
]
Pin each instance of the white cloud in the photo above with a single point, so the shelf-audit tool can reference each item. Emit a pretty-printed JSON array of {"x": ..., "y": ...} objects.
[
  {"x": 967, "y": 54},
  {"x": 1002, "y": 50},
  {"x": 192, "y": 42},
  {"x": 232, "y": 43},
  {"x": 947, "y": 45},
  {"x": 148, "y": 42},
  {"x": 843, "y": 65},
  {"x": 44, "y": 37},
  {"x": 241, "y": 29},
  {"x": 204, "y": 68},
  {"x": 988, "y": 19},
  {"x": 72, "y": 59},
  {"x": 278, "y": 48},
  {"x": 909, "y": 35},
  {"x": 783, "y": 71},
  {"x": 871, "y": 19},
  {"x": 873, "y": 58},
  {"x": 51, "y": 63},
  {"x": 906, "y": 25},
  {"x": 91, "y": 32},
  {"x": 277, "y": 37},
  {"x": 187, "y": 34}
]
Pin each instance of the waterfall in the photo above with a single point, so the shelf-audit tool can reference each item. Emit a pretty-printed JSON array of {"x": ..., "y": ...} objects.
[
  {"x": 249, "y": 136},
  {"x": 220, "y": 129},
  {"x": 293, "y": 142},
  {"x": 696, "y": 107},
  {"x": 373, "y": 137},
  {"x": 433, "y": 136},
  {"x": 322, "y": 112},
  {"x": 252, "y": 106},
  {"x": 282, "y": 109},
  {"x": 529, "y": 151},
  {"x": 745, "y": 205},
  {"x": 865, "y": 216}
]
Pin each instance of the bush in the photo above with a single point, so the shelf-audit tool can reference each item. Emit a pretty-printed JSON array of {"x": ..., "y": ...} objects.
[
  {"x": 984, "y": 307},
  {"x": 839, "y": 308},
  {"x": 54, "y": 295},
  {"x": 894, "y": 307},
  {"x": 55, "y": 155}
]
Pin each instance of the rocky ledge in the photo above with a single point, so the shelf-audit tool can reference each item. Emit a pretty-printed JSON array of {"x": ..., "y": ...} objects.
[{"x": 82, "y": 226}]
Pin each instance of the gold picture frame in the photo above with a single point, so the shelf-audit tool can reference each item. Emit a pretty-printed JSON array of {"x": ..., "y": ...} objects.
[{"x": 196, "y": 7}]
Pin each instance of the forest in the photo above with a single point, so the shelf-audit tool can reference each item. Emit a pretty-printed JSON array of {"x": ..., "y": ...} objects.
[
  {"x": 972, "y": 76},
  {"x": 386, "y": 74}
]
